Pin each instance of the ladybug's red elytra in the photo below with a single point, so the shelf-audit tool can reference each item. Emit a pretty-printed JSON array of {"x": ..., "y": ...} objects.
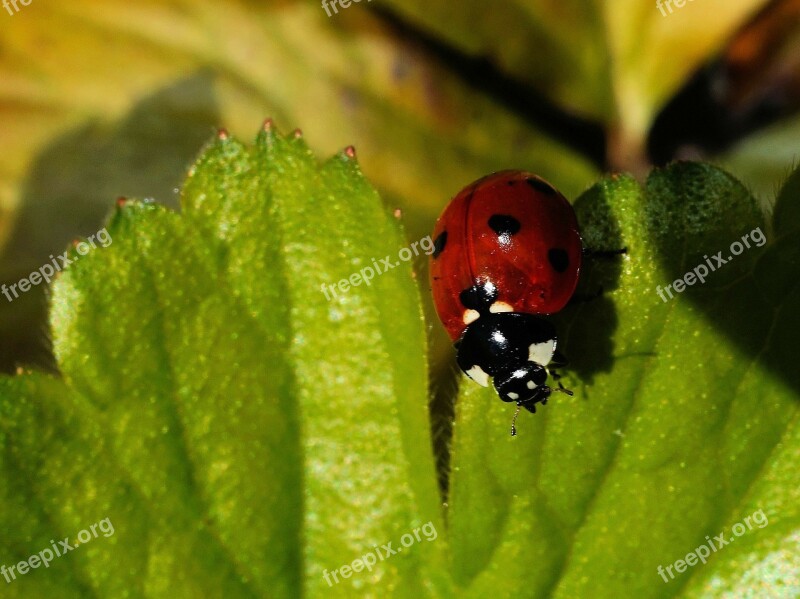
[{"x": 507, "y": 250}]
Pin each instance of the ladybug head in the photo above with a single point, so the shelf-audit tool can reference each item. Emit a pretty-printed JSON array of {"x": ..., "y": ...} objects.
[{"x": 523, "y": 384}]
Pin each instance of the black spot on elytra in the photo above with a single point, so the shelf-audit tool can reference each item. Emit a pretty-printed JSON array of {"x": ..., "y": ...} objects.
[
  {"x": 541, "y": 186},
  {"x": 504, "y": 225},
  {"x": 558, "y": 258},
  {"x": 479, "y": 297},
  {"x": 438, "y": 245}
]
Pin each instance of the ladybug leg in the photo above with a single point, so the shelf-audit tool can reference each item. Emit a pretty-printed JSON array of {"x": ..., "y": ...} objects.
[
  {"x": 593, "y": 253},
  {"x": 582, "y": 298},
  {"x": 558, "y": 360}
]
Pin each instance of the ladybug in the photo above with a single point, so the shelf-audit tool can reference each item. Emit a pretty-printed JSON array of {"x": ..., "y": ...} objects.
[{"x": 507, "y": 251}]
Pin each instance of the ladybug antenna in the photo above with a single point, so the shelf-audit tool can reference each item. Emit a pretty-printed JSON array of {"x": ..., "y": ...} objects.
[{"x": 514, "y": 421}]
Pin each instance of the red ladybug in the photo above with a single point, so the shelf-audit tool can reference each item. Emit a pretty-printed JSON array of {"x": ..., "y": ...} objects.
[{"x": 507, "y": 250}]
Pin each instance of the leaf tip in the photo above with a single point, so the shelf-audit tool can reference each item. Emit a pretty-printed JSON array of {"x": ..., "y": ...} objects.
[{"x": 266, "y": 136}]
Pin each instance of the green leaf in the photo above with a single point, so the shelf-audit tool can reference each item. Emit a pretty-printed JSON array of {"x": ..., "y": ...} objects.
[
  {"x": 63, "y": 473},
  {"x": 683, "y": 423},
  {"x": 251, "y": 416},
  {"x": 264, "y": 433},
  {"x": 587, "y": 56},
  {"x": 765, "y": 158}
]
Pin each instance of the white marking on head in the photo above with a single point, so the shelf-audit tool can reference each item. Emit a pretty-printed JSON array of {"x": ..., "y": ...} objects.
[
  {"x": 470, "y": 316},
  {"x": 500, "y": 307},
  {"x": 512, "y": 395},
  {"x": 531, "y": 385},
  {"x": 542, "y": 353},
  {"x": 477, "y": 374}
]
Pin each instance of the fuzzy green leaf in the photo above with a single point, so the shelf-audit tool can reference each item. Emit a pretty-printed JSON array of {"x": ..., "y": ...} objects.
[
  {"x": 250, "y": 425},
  {"x": 683, "y": 423},
  {"x": 267, "y": 433}
]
